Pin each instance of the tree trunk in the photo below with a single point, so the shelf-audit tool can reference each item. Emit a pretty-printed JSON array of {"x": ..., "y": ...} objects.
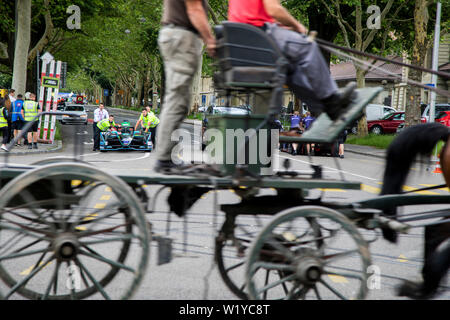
[
  {"x": 412, "y": 109},
  {"x": 22, "y": 45},
  {"x": 361, "y": 83}
]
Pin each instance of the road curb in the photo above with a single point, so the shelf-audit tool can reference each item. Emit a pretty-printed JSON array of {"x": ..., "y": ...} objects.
[{"x": 52, "y": 150}]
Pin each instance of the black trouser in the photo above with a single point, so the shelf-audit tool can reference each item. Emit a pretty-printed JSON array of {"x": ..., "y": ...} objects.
[
  {"x": 10, "y": 132},
  {"x": 96, "y": 136},
  {"x": 5, "y": 133},
  {"x": 153, "y": 137},
  {"x": 436, "y": 262}
]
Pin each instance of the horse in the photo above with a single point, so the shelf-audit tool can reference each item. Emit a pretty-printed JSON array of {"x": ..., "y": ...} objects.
[{"x": 411, "y": 142}]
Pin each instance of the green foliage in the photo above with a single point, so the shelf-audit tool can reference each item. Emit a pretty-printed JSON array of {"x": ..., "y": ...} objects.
[
  {"x": 5, "y": 80},
  {"x": 378, "y": 141}
]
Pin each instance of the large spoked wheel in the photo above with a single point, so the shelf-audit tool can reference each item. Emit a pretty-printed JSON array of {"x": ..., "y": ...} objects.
[
  {"x": 231, "y": 251},
  {"x": 329, "y": 263},
  {"x": 66, "y": 231}
]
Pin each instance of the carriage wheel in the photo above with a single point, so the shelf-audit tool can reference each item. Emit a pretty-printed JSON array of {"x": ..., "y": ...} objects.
[
  {"x": 66, "y": 231},
  {"x": 231, "y": 251},
  {"x": 58, "y": 160},
  {"x": 337, "y": 268}
]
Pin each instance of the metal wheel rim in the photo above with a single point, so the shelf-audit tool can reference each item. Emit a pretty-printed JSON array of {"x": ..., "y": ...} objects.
[
  {"x": 319, "y": 212},
  {"x": 47, "y": 171}
]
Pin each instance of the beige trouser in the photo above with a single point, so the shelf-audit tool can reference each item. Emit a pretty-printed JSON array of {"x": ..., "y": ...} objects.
[{"x": 181, "y": 51}]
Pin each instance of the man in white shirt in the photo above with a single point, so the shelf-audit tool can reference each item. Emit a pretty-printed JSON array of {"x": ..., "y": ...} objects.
[
  {"x": 12, "y": 94},
  {"x": 99, "y": 114}
]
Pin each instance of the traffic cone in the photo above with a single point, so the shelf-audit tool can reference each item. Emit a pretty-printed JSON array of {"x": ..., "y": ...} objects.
[{"x": 438, "y": 167}]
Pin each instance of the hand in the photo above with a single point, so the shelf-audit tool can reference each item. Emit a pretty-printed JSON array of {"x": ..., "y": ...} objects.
[
  {"x": 211, "y": 47},
  {"x": 301, "y": 29}
]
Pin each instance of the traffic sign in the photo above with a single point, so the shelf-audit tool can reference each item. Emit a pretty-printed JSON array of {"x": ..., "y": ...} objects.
[
  {"x": 106, "y": 92},
  {"x": 50, "y": 82}
]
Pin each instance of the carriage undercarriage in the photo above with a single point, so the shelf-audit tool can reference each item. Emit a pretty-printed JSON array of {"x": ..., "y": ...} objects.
[{"x": 49, "y": 218}]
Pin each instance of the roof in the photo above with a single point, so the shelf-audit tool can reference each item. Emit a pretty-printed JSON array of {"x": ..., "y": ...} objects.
[
  {"x": 445, "y": 67},
  {"x": 347, "y": 71}
]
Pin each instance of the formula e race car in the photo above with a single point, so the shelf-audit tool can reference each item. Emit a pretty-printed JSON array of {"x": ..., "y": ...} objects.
[{"x": 123, "y": 137}]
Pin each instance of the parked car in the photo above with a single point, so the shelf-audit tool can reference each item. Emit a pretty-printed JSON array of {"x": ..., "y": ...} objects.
[
  {"x": 388, "y": 124},
  {"x": 373, "y": 112},
  {"x": 438, "y": 108},
  {"x": 79, "y": 112},
  {"x": 443, "y": 117}
]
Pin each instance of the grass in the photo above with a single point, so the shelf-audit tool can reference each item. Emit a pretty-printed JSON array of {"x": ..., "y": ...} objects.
[
  {"x": 57, "y": 130},
  {"x": 381, "y": 141}
]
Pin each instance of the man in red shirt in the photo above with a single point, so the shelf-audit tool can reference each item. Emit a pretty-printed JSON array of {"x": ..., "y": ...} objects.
[{"x": 311, "y": 80}]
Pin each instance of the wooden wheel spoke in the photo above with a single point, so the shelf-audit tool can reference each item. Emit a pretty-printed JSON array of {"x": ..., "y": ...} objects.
[
  {"x": 26, "y": 279},
  {"x": 22, "y": 254},
  {"x": 337, "y": 293},
  {"x": 53, "y": 281},
  {"x": 277, "y": 283},
  {"x": 95, "y": 282},
  {"x": 237, "y": 265},
  {"x": 97, "y": 256},
  {"x": 93, "y": 233},
  {"x": 336, "y": 256}
]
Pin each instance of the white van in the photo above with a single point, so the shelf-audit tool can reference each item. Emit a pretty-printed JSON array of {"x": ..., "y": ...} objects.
[{"x": 377, "y": 111}]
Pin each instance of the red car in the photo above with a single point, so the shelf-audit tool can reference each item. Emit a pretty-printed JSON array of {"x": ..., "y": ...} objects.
[
  {"x": 388, "y": 124},
  {"x": 444, "y": 118}
]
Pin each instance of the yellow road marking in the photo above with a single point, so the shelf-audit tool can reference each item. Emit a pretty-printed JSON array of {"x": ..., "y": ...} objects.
[
  {"x": 105, "y": 197},
  {"x": 431, "y": 185},
  {"x": 76, "y": 183},
  {"x": 27, "y": 271},
  {"x": 408, "y": 188},
  {"x": 337, "y": 279},
  {"x": 332, "y": 190},
  {"x": 100, "y": 206},
  {"x": 402, "y": 258},
  {"x": 370, "y": 189},
  {"x": 81, "y": 228},
  {"x": 108, "y": 189}
]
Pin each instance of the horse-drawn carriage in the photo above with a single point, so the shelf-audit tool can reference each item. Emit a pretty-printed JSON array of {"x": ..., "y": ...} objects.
[{"x": 51, "y": 220}]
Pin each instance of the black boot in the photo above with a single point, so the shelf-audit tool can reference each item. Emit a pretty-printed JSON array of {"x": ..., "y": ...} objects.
[{"x": 336, "y": 105}]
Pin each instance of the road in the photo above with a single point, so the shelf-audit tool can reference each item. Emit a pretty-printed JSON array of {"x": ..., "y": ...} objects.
[{"x": 191, "y": 273}]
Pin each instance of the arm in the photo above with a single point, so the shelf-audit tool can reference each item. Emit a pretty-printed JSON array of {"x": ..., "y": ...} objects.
[
  {"x": 279, "y": 13},
  {"x": 199, "y": 20},
  {"x": 137, "y": 124}
]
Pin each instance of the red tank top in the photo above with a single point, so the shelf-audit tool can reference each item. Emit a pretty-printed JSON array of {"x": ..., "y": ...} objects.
[{"x": 248, "y": 11}]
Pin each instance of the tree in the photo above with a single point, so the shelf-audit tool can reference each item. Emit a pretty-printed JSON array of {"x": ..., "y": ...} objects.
[
  {"x": 22, "y": 45},
  {"x": 361, "y": 38}
]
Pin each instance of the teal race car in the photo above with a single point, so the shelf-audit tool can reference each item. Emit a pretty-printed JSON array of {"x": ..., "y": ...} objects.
[{"x": 123, "y": 137}]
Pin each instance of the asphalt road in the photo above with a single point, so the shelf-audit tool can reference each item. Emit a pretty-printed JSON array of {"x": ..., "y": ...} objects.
[{"x": 192, "y": 274}]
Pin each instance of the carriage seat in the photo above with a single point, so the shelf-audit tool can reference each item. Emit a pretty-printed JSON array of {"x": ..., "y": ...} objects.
[{"x": 247, "y": 57}]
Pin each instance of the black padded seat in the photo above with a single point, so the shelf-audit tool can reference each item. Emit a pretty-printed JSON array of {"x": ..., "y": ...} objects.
[
  {"x": 250, "y": 76},
  {"x": 248, "y": 57}
]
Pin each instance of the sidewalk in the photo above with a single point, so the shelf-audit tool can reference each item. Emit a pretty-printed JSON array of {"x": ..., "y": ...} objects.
[
  {"x": 43, "y": 148},
  {"x": 366, "y": 151}
]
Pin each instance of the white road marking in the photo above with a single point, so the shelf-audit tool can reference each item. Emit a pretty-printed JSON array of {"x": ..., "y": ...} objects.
[{"x": 336, "y": 170}]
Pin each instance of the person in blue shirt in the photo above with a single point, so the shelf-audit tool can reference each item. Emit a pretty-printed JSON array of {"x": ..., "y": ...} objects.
[
  {"x": 307, "y": 122},
  {"x": 17, "y": 119}
]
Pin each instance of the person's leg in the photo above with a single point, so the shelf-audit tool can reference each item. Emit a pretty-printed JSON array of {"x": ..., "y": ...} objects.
[
  {"x": 4, "y": 133},
  {"x": 181, "y": 52},
  {"x": 96, "y": 138},
  {"x": 311, "y": 81},
  {"x": 341, "y": 149}
]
